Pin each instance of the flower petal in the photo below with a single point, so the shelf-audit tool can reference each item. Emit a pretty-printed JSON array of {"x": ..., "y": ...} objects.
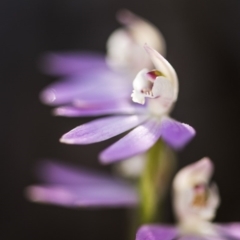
[
  {"x": 156, "y": 232},
  {"x": 176, "y": 134},
  {"x": 189, "y": 183},
  {"x": 137, "y": 141},
  {"x": 53, "y": 172},
  {"x": 163, "y": 66},
  {"x": 68, "y": 63},
  {"x": 230, "y": 230},
  {"x": 142, "y": 30},
  {"x": 71, "y": 187},
  {"x": 102, "y": 129},
  {"x": 104, "y": 109},
  {"x": 95, "y": 85},
  {"x": 124, "y": 46},
  {"x": 89, "y": 195}
]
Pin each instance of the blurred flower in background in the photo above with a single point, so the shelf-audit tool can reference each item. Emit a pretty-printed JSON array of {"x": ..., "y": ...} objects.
[{"x": 195, "y": 203}]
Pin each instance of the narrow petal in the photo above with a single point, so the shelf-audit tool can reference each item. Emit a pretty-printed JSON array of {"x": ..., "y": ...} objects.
[
  {"x": 137, "y": 141},
  {"x": 97, "y": 110},
  {"x": 164, "y": 66},
  {"x": 156, "y": 232},
  {"x": 68, "y": 63},
  {"x": 95, "y": 85},
  {"x": 176, "y": 134},
  {"x": 89, "y": 195},
  {"x": 102, "y": 129},
  {"x": 72, "y": 187},
  {"x": 53, "y": 172},
  {"x": 230, "y": 230}
]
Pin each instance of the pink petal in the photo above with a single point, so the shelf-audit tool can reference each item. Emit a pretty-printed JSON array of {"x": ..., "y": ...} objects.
[
  {"x": 68, "y": 63},
  {"x": 97, "y": 110},
  {"x": 89, "y": 195},
  {"x": 53, "y": 172},
  {"x": 89, "y": 86},
  {"x": 137, "y": 141},
  {"x": 71, "y": 187},
  {"x": 102, "y": 129},
  {"x": 230, "y": 230},
  {"x": 156, "y": 232},
  {"x": 176, "y": 134}
]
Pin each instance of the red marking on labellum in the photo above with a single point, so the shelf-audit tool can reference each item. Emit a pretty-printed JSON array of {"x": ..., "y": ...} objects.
[{"x": 154, "y": 74}]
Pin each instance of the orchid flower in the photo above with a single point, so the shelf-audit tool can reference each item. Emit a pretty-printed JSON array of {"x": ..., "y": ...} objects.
[
  {"x": 93, "y": 84},
  {"x": 69, "y": 186},
  {"x": 195, "y": 203},
  {"x": 150, "y": 122}
]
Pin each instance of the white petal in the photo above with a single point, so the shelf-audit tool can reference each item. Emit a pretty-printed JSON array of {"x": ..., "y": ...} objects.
[
  {"x": 195, "y": 202},
  {"x": 162, "y": 65},
  {"x": 124, "y": 46},
  {"x": 163, "y": 88}
]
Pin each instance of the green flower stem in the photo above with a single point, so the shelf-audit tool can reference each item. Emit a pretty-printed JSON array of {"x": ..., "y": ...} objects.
[{"x": 155, "y": 181}]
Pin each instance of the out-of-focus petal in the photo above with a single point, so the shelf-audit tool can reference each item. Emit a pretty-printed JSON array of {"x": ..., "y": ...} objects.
[
  {"x": 91, "y": 85},
  {"x": 89, "y": 195},
  {"x": 53, "y": 172},
  {"x": 198, "y": 237},
  {"x": 195, "y": 202},
  {"x": 137, "y": 141},
  {"x": 69, "y": 63},
  {"x": 230, "y": 230},
  {"x": 103, "y": 109},
  {"x": 102, "y": 129},
  {"x": 124, "y": 46},
  {"x": 73, "y": 187},
  {"x": 157, "y": 232},
  {"x": 193, "y": 174},
  {"x": 164, "y": 67},
  {"x": 176, "y": 134},
  {"x": 142, "y": 30}
]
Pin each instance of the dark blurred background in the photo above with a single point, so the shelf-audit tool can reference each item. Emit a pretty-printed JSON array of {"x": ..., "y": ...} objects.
[{"x": 203, "y": 45}]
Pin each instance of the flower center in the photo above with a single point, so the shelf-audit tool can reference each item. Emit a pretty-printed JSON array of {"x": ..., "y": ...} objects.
[
  {"x": 200, "y": 196},
  {"x": 155, "y": 86}
]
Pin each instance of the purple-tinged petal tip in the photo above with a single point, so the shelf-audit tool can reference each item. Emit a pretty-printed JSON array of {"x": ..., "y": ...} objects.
[
  {"x": 176, "y": 134},
  {"x": 156, "y": 232}
]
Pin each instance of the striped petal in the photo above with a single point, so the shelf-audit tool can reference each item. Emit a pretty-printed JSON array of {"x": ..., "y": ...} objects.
[
  {"x": 102, "y": 129},
  {"x": 137, "y": 141}
]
